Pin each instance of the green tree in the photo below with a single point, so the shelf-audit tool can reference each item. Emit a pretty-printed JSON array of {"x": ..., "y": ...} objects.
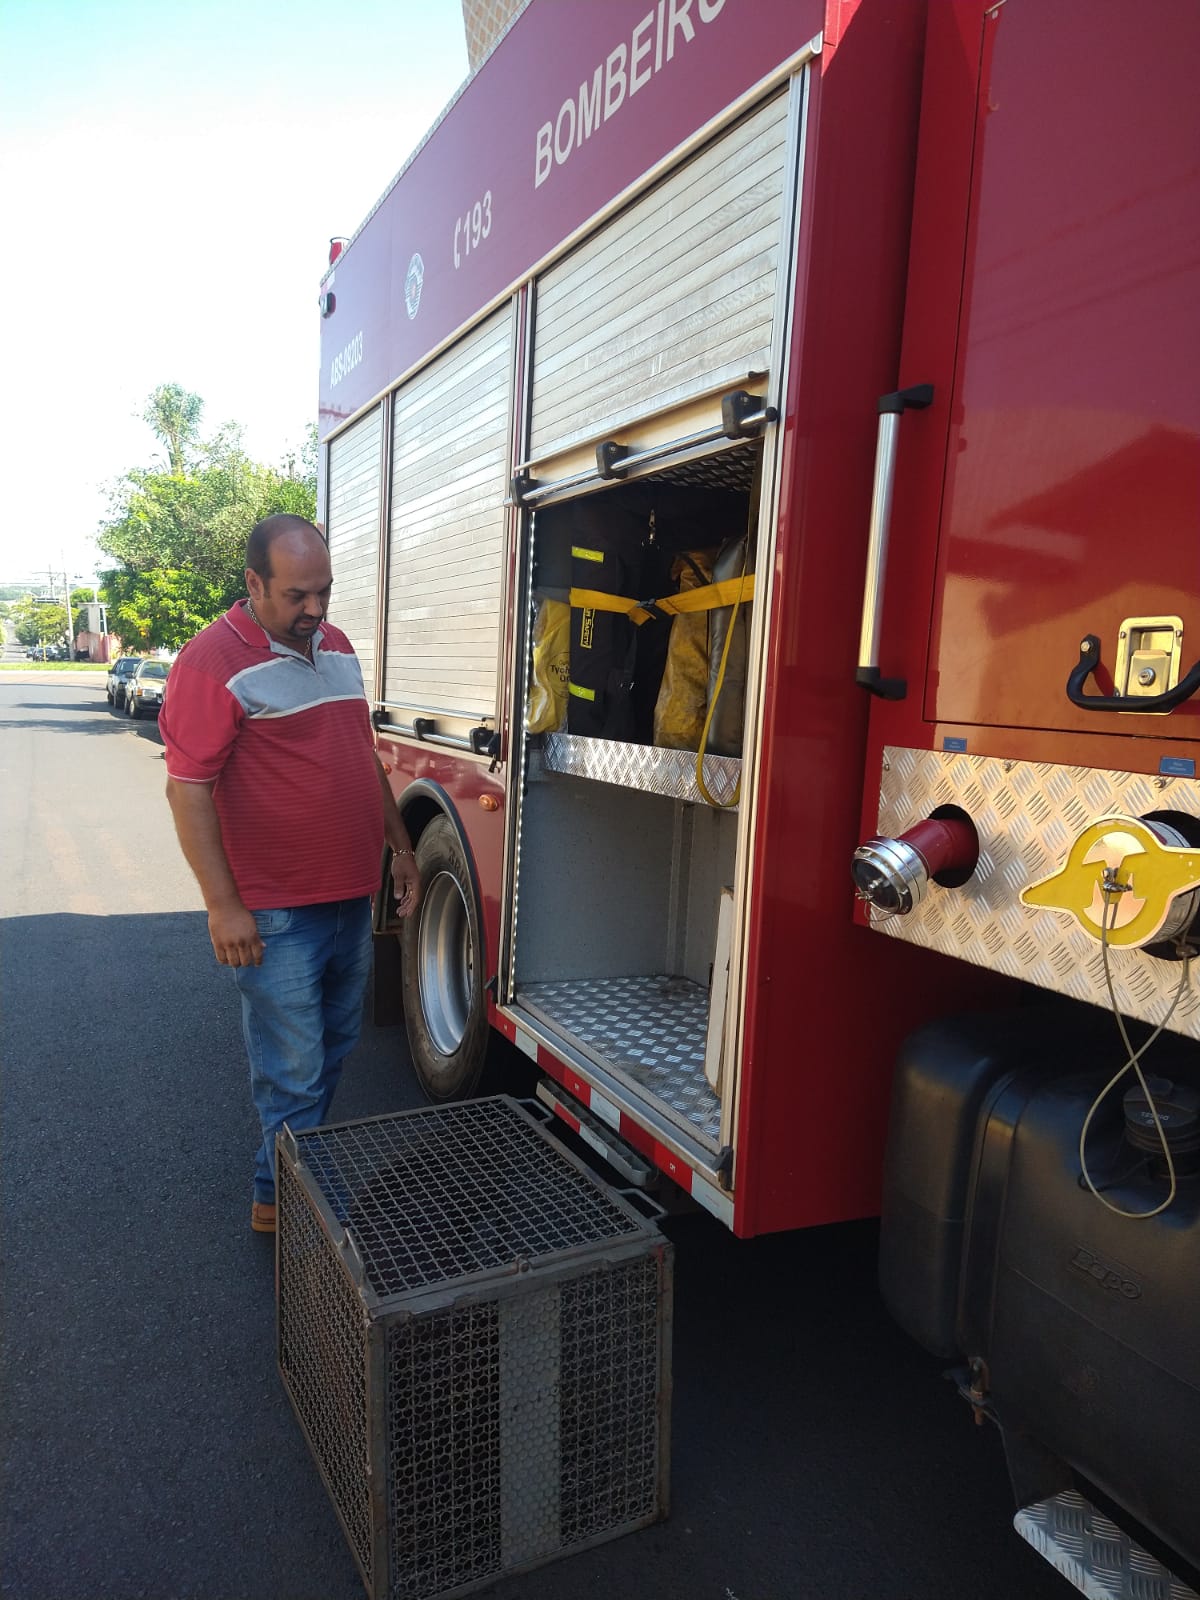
[
  {"x": 160, "y": 608},
  {"x": 182, "y": 535},
  {"x": 173, "y": 413},
  {"x": 39, "y": 623}
]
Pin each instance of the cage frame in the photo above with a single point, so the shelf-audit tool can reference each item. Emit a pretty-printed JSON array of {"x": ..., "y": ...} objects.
[{"x": 379, "y": 1313}]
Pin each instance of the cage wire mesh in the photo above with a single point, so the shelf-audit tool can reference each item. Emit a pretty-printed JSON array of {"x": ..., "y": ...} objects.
[{"x": 474, "y": 1334}]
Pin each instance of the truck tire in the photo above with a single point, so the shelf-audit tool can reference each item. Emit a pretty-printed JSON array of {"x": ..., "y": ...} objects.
[{"x": 445, "y": 1011}]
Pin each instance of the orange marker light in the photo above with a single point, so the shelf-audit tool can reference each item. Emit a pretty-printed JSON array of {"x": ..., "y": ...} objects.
[{"x": 489, "y": 802}]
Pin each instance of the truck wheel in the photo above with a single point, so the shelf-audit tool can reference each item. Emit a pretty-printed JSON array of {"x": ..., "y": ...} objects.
[{"x": 444, "y": 1008}]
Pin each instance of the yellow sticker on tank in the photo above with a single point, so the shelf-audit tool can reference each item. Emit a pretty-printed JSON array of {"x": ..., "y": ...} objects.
[{"x": 1119, "y": 877}]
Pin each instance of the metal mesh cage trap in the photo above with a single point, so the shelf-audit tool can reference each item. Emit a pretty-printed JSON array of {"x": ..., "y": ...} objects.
[{"x": 475, "y": 1335}]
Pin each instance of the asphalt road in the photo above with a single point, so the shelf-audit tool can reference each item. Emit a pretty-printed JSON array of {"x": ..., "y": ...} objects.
[{"x": 149, "y": 1448}]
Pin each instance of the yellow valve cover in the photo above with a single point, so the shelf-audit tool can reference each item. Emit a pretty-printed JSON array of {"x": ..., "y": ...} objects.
[{"x": 1118, "y": 874}]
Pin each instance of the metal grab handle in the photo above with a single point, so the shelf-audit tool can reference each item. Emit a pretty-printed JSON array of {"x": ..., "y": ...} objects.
[
  {"x": 891, "y": 408},
  {"x": 1089, "y": 660},
  {"x": 743, "y": 416},
  {"x": 480, "y": 741}
]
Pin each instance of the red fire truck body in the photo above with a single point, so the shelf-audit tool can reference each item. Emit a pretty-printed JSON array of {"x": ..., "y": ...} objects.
[
  {"x": 654, "y": 270},
  {"x": 1036, "y": 590},
  {"x": 545, "y": 277},
  {"x": 653, "y": 247},
  {"x": 1031, "y": 635}
]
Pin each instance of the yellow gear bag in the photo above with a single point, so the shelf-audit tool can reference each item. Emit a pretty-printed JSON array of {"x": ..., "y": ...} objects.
[
  {"x": 683, "y": 696},
  {"x": 546, "y": 711}
]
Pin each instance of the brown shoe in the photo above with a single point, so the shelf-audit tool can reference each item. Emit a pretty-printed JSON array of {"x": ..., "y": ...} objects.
[{"x": 262, "y": 1217}]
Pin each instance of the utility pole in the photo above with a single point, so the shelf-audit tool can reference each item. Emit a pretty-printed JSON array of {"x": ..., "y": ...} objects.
[{"x": 67, "y": 598}]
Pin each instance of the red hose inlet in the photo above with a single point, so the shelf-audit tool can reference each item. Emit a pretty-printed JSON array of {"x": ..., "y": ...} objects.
[{"x": 944, "y": 844}]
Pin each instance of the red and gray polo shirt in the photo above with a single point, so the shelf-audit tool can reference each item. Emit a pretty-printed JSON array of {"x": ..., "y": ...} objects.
[{"x": 286, "y": 743}]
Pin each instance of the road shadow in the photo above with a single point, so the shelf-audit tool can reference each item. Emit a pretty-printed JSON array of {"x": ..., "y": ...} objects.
[
  {"x": 86, "y": 730},
  {"x": 79, "y": 717}
]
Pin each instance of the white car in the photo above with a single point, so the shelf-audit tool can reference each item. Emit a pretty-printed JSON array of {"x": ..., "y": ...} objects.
[
  {"x": 145, "y": 689},
  {"x": 119, "y": 674}
]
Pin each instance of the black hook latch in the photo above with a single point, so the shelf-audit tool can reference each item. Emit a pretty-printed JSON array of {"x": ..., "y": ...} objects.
[{"x": 1089, "y": 660}]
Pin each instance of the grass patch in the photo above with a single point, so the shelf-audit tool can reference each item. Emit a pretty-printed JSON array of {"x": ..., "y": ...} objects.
[{"x": 53, "y": 666}]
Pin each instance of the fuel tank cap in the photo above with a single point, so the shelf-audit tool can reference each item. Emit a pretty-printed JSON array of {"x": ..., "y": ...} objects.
[{"x": 1178, "y": 1106}]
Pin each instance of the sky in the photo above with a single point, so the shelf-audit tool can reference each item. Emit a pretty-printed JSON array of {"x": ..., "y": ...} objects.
[{"x": 170, "y": 177}]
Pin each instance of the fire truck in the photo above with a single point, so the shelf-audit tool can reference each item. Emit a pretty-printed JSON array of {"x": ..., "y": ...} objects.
[{"x": 759, "y": 462}]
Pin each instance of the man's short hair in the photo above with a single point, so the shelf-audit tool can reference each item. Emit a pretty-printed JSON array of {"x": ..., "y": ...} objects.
[{"x": 264, "y": 534}]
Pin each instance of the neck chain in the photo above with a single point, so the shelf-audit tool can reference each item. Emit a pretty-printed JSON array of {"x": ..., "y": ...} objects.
[{"x": 307, "y": 650}]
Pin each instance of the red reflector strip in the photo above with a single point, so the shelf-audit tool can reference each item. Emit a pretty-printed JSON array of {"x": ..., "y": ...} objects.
[
  {"x": 676, "y": 1168},
  {"x": 564, "y": 1115},
  {"x": 647, "y": 1145},
  {"x": 570, "y": 1080}
]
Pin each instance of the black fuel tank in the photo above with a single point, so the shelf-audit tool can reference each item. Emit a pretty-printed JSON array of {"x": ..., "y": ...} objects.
[
  {"x": 992, "y": 1247},
  {"x": 946, "y": 1076}
]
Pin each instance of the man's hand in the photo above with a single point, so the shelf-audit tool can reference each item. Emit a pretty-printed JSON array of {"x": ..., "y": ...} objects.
[
  {"x": 232, "y": 929},
  {"x": 235, "y": 938},
  {"x": 406, "y": 881}
]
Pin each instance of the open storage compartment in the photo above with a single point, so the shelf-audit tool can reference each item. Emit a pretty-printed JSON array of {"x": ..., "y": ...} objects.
[{"x": 626, "y": 872}]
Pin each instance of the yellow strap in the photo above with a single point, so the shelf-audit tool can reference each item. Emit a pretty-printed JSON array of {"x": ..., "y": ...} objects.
[
  {"x": 729, "y": 592},
  {"x": 716, "y": 804},
  {"x": 755, "y": 496},
  {"x": 580, "y": 693}
]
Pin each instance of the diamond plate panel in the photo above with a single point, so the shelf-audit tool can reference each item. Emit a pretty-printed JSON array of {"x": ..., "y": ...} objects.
[
  {"x": 643, "y": 766},
  {"x": 1027, "y": 814},
  {"x": 1094, "y": 1554},
  {"x": 650, "y": 1029}
]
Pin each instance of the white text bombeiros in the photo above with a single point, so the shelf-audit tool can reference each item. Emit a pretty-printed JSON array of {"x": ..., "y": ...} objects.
[
  {"x": 627, "y": 68},
  {"x": 346, "y": 360}
]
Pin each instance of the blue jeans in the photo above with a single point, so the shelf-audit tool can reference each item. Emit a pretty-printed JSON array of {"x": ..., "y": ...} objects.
[{"x": 301, "y": 1015}]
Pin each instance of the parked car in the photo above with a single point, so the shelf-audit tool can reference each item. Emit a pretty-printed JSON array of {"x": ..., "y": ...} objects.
[
  {"x": 145, "y": 689},
  {"x": 119, "y": 673}
]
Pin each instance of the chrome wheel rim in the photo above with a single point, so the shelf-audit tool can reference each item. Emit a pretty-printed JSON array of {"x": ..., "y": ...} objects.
[{"x": 446, "y": 962}]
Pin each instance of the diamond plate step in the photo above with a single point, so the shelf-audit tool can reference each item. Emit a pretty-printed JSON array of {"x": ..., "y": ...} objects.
[
  {"x": 1094, "y": 1554},
  {"x": 650, "y": 1029}
]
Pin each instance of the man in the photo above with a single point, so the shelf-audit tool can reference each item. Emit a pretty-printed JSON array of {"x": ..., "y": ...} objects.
[{"x": 282, "y": 808}]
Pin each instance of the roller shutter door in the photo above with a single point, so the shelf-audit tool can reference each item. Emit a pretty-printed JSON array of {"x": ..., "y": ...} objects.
[
  {"x": 673, "y": 297},
  {"x": 355, "y": 484},
  {"x": 450, "y": 456}
]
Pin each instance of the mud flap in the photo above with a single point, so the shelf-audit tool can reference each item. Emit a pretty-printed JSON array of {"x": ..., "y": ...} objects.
[{"x": 387, "y": 995}]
